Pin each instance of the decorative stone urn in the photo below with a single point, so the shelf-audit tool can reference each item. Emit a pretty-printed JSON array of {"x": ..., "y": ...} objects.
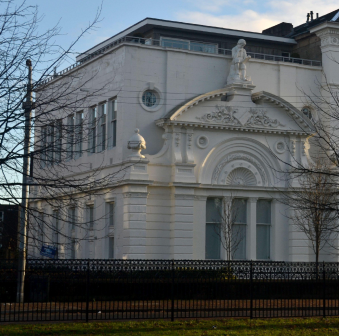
[{"x": 136, "y": 143}]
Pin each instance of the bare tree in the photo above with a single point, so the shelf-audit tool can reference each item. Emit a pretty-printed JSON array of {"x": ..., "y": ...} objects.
[
  {"x": 229, "y": 227},
  {"x": 57, "y": 179},
  {"x": 314, "y": 206}
]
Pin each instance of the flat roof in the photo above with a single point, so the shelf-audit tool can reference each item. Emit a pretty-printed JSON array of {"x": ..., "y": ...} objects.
[{"x": 187, "y": 26}]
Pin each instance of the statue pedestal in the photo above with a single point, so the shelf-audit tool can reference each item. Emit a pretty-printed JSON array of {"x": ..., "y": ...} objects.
[{"x": 241, "y": 92}]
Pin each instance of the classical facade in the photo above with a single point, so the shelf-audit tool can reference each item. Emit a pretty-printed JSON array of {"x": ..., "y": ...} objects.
[{"x": 195, "y": 122}]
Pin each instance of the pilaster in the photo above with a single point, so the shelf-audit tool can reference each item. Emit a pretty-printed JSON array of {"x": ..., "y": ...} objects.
[
  {"x": 298, "y": 242},
  {"x": 328, "y": 32},
  {"x": 199, "y": 229},
  {"x": 134, "y": 222},
  {"x": 182, "y": 223},
  {"x": 177, "y": 144},
  {"x": 274, "y": 241}
]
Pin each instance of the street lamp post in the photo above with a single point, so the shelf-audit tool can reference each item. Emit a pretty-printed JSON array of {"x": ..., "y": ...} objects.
[{"x": 28, "y": 107}]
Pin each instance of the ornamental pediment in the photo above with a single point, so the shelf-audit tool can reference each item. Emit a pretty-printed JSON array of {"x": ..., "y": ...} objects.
[
  {"x": 236, "y": 108},
  {"x": 226, "y": 115}
]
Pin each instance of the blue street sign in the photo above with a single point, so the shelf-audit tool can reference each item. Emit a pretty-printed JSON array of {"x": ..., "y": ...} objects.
[{"x": 48, "y": 251}]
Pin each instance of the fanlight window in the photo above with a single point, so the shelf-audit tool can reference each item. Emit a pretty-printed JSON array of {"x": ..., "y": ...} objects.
[{"x": 241, "y": 176}]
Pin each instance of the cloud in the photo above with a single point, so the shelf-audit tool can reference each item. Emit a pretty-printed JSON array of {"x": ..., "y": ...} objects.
[{"x": 255, "y": 16}]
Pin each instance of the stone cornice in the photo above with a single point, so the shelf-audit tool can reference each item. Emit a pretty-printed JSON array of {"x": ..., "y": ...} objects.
[
  {"x": 325, "y": 28},
  {"x": 163, "y": 122},
  {"x": 132, "y": 194}
]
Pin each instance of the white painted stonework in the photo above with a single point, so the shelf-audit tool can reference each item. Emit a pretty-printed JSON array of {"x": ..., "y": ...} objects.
[{"x": 209, "y": 137}]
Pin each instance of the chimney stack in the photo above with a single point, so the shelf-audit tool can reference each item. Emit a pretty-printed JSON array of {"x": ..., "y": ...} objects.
[
  {"x": 308, "y": 17},
  {"x": 311, "y": 12},
  {"x": 317, "y": 15}
]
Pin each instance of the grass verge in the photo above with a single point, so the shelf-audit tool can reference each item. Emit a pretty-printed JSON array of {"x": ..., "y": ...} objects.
[{"x": 297, "y": 326}]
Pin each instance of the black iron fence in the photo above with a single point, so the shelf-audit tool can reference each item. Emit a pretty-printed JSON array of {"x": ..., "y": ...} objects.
[{"x": 64, "y": 290}]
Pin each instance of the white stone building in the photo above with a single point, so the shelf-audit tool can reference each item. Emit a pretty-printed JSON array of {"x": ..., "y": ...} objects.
[{"x": 207, "y": 137}]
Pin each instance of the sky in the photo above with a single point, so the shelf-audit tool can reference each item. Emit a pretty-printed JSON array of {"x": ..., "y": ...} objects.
[{"x": 117, "y": 15}]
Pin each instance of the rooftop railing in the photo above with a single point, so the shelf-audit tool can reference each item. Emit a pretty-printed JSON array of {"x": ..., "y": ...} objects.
[{"x": 202, "y": 47}]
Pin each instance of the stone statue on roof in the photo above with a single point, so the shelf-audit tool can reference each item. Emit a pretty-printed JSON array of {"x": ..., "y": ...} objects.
[{"x": 238, "y": 66}]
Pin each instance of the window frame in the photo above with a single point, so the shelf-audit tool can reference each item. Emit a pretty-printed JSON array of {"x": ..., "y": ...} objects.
[
  {"x": 58, "y": 141},
  {"x": 43, "y": 142},
  {"x": 103, "y": 124},
  {"x": 72, "y": 218},
  {"x": 92, "y": 141},
  {"x": 216, "y": 45},
  {"x": 269, "y": 225},
  {"x": 79, "y": 122},
  {"x": 243, "y": 225},
  {"x": 91, "y": 217},
  {"x": 70, "y": 136},
  {"x": 111, "y": 246},
  {"x": 113, "y": 111},
  {"x": 216, "y": 226}
]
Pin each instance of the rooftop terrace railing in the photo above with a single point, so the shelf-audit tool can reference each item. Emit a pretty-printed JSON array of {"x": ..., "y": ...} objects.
[{"x": 194, "y": 46}]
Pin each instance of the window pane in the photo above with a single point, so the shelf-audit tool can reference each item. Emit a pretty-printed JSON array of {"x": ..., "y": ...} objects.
[
  {"x": 264, "y": 211},
  {"x": 240, "y": 210},
  {"x": 208, "y": 48},
  {"x": 111, "y": 214},
  {"x": 91, "y": 217},
  {"x": 111, "y": 248},
  {"x": 172, "y": 43},
  {"x": 239, "y": 241},
  {"x": 73, "y": 249},
  {"x": 263, "y": 242},
  {"x": 113, "y": 134},
  {"x": 213, "y": 210},
  {"x": 212, "y": 241}
]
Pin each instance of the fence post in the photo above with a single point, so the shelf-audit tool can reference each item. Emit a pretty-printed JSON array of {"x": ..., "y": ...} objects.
[
  {"x": 172, "y": 292},
  {"x": 87, "y": 290},
  {"x": 251, "y": 290},
  {"x": 324, "y": 291}
]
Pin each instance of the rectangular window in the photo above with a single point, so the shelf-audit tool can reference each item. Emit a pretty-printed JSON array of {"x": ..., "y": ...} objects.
[
  {"x": 58, "y": 141},
  {"x": 212, "y": 247},
  {"x": 239, "y": 209},
  {"x": 50, "y": 144},
  {"x": 40, "y": 229},
  {"x": 71, "y": 218},
  {"x": 73, "y": 247},
  {"x": 174, "y": 43},
  {"x": 111, "y": 247},
  {"x": 70, "y": 137},
  {"x": 113, "y": 105},
  {"x": 111, "y": 214},
  {"x": 92, "y": 130},
  {"x": 79, "y": 133},
  {"x": 56, "y": 229},
  {"x": 263, "y": 229},
  {"x": 103, "y": 126},
  {"x": 90, "y": 210},
  {"x": 43, "y": 141},
  {"x": 189, "y": 45},
  {"x": 203, "y": 47}
]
